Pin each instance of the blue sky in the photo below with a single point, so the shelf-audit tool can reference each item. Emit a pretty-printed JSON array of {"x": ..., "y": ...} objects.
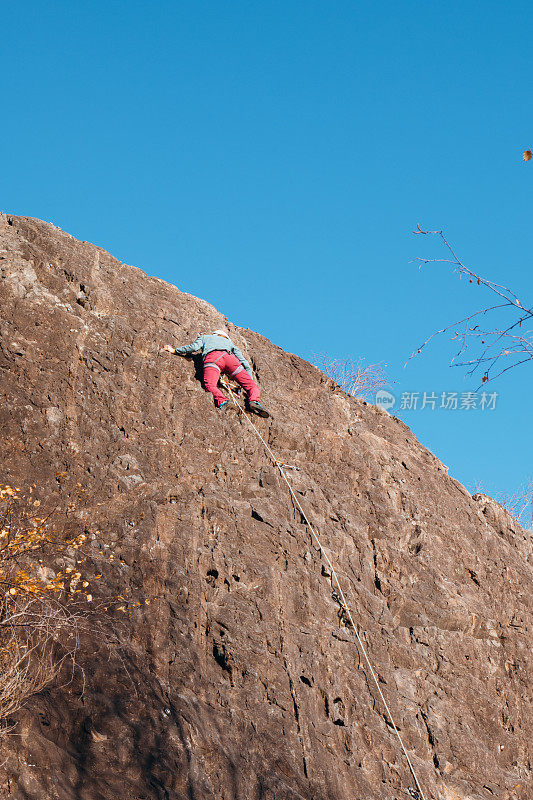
[{"x": 274, "y": 158}]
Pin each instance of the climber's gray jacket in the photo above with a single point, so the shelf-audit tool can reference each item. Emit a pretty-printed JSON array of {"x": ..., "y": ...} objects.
[{"x": 207, "y": 342}]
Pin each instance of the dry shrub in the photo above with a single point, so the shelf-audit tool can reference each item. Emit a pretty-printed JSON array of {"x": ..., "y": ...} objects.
[
  {"x": 520, "y": 504},
  {"x": 30, "y": 651},
  {"x": 353, "y": 376},
  {"x": 42, "y": 612}
]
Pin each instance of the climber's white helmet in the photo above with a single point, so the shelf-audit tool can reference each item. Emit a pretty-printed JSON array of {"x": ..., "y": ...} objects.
[{"x": 220, "y": 333}]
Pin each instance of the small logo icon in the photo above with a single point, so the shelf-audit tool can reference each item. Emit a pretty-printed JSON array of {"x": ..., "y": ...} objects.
[{"x": 385, "y": 399}]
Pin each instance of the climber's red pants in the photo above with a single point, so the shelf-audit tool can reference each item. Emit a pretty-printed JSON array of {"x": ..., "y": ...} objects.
[{"x": 227, "y": 364}]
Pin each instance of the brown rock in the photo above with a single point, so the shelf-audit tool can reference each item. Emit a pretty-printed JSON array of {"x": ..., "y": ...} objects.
[{"x": 241, "y": 678}]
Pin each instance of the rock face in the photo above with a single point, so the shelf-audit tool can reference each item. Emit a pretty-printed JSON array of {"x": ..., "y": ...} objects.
[{"x": 241, "y": 678}]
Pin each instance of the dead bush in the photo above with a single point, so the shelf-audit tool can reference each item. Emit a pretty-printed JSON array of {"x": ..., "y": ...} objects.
[
  {"x": 42, "y": 611},
  {"x": 353, "y": 376}
]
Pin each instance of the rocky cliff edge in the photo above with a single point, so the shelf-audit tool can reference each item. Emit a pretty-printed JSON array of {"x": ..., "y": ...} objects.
[{"x": 238, "y": 676}]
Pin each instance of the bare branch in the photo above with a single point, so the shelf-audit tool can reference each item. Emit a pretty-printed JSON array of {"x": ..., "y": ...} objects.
[{"x": 501, "y": 347}]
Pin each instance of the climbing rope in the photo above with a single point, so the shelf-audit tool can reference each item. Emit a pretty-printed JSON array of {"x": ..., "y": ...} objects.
[{"x": 335, "y": 580}]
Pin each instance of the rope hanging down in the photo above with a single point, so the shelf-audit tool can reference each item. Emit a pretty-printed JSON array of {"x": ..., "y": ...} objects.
[{"x": 334, "y": 578}]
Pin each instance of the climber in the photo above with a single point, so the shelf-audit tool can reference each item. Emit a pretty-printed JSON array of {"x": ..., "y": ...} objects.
[{"x": 221, "y": 356}]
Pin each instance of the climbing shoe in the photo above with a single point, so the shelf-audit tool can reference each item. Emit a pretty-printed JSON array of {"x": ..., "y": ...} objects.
[{"x": 257, "y": 408}]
